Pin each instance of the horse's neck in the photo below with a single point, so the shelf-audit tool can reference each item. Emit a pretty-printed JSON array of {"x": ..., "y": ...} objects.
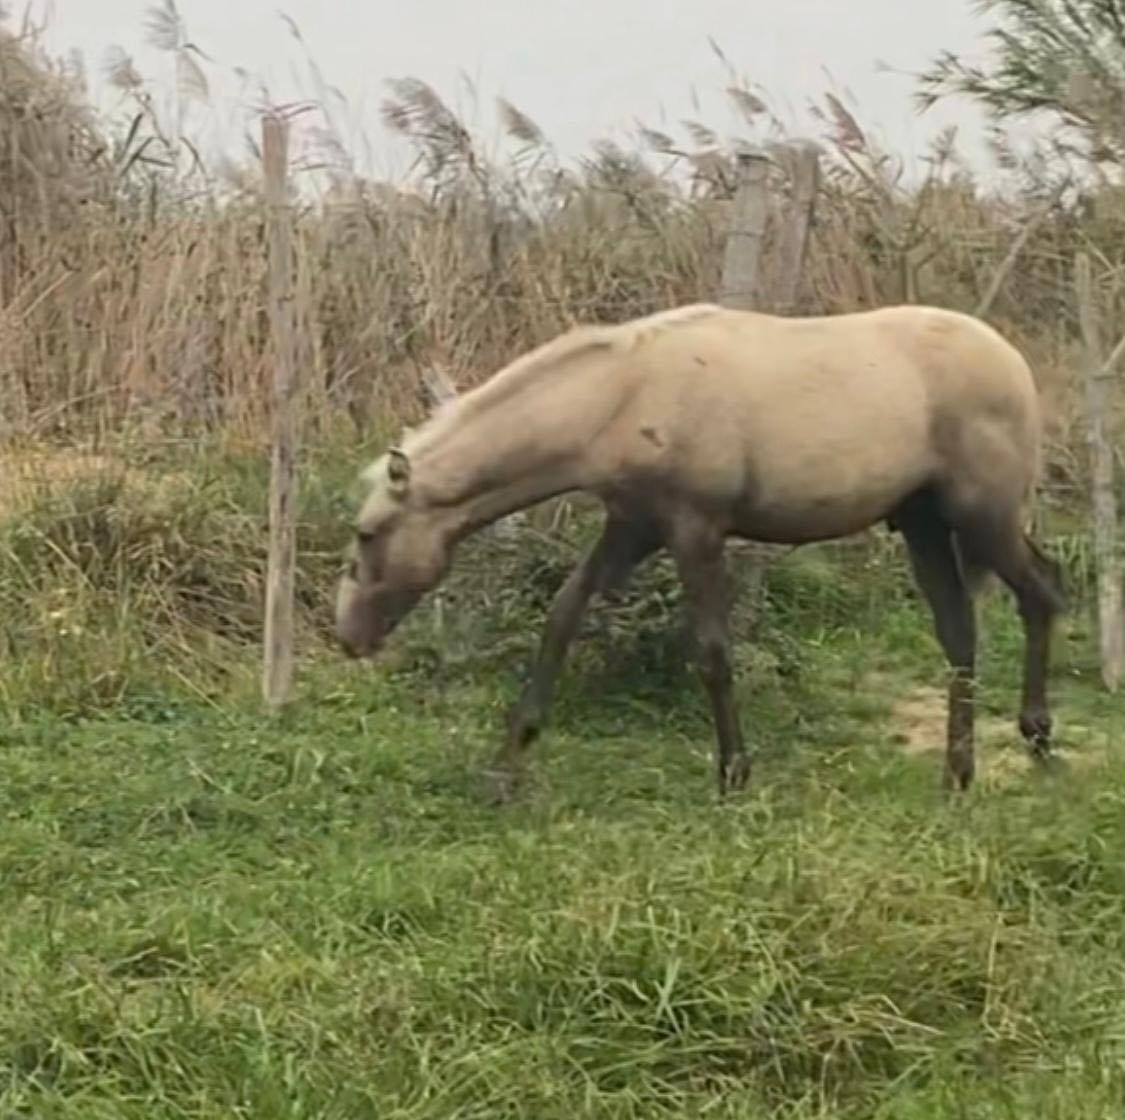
[
  {"x": 526, "y": 448},
  {"x": 492, "y": 504}
]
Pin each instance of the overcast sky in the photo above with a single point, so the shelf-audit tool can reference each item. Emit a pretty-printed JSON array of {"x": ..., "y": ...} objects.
[{"x": 581, "y": 69}]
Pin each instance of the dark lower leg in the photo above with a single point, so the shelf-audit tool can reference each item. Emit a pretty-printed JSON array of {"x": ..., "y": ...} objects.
[
  {"x": 937, "y": 573},
  {"x": 1034, "y": 580},
  {"x": 1035, "y": 716},
  {"x": 702, "y": 571},
  {"x": 619, "y": 549},
  {"x": 959, "y": 748}
]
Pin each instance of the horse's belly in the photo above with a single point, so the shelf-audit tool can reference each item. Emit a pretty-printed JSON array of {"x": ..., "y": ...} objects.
[
  {"x": 829, "y": 467},
  {"x": 809, "y": 522},
  {"x": 823, "y": 505}
]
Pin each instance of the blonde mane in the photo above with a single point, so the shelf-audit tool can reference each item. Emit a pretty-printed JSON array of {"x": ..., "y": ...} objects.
[{"x": 627, "y": 337}]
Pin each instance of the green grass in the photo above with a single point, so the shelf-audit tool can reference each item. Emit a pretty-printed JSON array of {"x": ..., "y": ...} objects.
[{"x": 210, "y": 913}]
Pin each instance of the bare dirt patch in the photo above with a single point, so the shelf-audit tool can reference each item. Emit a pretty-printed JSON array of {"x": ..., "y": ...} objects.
[{"x": 918, "y": 720}]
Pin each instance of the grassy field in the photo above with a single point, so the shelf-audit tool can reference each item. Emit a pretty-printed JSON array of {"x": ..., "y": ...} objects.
[{"x": 210, "y": 913}]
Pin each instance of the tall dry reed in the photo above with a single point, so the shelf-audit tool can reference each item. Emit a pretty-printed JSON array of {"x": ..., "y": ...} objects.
[{"x": 132, "y": 277}]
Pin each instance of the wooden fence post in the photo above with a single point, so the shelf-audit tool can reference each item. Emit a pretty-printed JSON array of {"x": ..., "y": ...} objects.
[
  {"x": 804, "y": 171},
  {"x": 740, "y": 286},
  {"x": 277, "y": 674},
  {"x": 1099, "y": 372}
]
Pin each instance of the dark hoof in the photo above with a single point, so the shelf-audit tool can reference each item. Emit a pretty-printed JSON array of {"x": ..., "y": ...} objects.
[
  {"x": 737, "y": 774},
  {"x": 1035, "y": 727},
  {"x": 958, "y": 775}
]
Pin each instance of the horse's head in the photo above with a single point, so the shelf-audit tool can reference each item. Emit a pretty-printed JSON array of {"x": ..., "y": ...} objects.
[{"x": 401, "y": 551}]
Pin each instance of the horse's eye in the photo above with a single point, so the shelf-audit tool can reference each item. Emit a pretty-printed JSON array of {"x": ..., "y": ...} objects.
[{"x": 364, "y": 537}]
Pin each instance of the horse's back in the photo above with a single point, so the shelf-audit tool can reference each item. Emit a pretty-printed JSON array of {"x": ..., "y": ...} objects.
[
  {"x": 912, "y": 368},
  {"x": 824, "y": 422}
]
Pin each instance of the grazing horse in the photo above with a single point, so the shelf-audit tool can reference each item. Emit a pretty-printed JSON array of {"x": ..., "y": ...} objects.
[{"x": 701, "y": 423}]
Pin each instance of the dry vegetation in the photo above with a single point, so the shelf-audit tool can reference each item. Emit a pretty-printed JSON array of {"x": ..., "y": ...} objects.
[
  {"x": 133, "y": 320},
  {"x": 132, "y": 277}
]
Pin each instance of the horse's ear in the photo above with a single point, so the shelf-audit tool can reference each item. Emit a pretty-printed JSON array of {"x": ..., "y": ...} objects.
[{"x": 398, "y": 471}]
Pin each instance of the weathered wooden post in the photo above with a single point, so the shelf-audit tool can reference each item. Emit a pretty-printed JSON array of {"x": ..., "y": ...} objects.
[
  {"x": 277, "y": 672},
  {"x": 740, "y": 285},
  {"x": 1099, "y": 373},
  {"x": 804, "y": 173}
]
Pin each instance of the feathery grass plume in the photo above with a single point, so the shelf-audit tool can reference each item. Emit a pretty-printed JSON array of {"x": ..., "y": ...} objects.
[
  {"x": 519, "y": 125},
  {"x": 166, "y": 31},
  {"x": 164, "y": 28},
  {"x": 656, "y": 141},
  {"x": 701, "y": 135},
  {"x": 749, "y": 105},
  {"x": 120, "y": 70},
  {"x": 848, "y": 134},
  {"x": 153, "y": 147},
  {"x": 1061, "y": 59},
  {"x": 417, "y": 111}
]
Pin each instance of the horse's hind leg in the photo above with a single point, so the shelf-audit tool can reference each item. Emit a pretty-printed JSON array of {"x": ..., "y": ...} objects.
[
  {"x": 698, "y": 551},
  {"x": 620, "y": 548},
  {"x": 1041, "y": 600},
  {"x": 938, "y": 575},
  {"x": 1035, "y": 581}
]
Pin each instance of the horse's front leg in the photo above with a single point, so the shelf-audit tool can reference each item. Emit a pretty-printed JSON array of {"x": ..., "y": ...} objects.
[
  {"x": 698, "y": 552},
  {"x": 620, "y": 548}
]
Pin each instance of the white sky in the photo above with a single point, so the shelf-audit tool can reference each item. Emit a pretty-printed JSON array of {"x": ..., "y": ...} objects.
[{"x": 581, "y": 70}]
